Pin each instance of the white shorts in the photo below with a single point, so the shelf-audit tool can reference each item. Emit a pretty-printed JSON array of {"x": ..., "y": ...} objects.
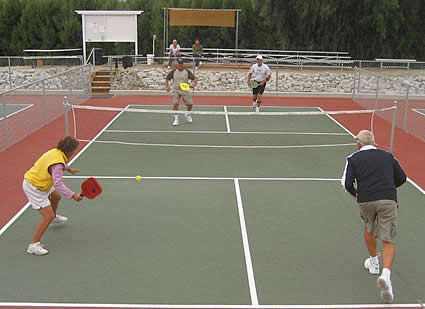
[{"x": 38, "y": 199}]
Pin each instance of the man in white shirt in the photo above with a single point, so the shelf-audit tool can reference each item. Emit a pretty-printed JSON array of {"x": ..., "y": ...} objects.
[
  {"x": 174, "y": 50},
  {"x": 261, "y": 73}
]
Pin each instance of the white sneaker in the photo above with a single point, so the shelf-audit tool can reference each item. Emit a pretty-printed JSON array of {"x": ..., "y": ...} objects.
[
  {"x": 188, "y": 118},
  {"x": 59, "y": 219},
  {"x": 36, "y": 249},
  {"x": 176, "y": 122},
  {"x": 372, "y": 267},
  {"x": 254, "y": 106},
  {"x": 386, "y": 289},
  {"x": 257, "y": 109},
  {"x": 168, "y": 67}
]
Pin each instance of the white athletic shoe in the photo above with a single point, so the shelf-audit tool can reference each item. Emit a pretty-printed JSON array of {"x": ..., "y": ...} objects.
[
  {"x": 36, "y": 249},
  {"x": 176, "y": 122},
  {"x": 373, "y": 268},
  {"x": 254, "y": 106},
  {"x": 59, "y": 219},
  {"x": 386, "y": 289},
  {"x": 188, "y": 118},
  {"x": 168, "y": 67}
]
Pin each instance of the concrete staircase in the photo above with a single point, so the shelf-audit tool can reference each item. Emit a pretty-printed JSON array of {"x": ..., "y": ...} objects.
[{"x": 101, "y": 83}]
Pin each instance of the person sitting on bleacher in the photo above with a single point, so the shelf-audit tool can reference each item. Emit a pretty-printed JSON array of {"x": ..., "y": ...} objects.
[
  {"x": 174, "y": 52},
  {"x": 197, "y": 53}
]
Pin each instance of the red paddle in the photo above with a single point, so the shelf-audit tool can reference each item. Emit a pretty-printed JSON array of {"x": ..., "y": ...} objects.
[{"x": 91, "y": 188}]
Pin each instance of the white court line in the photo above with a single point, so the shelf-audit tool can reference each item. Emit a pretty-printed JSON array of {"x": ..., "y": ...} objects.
[
  {"x": 208, "y": 178},
  {"x": 224, "y": 132},
  {"x": 164, "y": 306},
  {"x": 221, "y": 146},
  {"x": 18, "y": 111},
  {"x": 419, "y": 111},
  {"x": 227, "y": 120},
  {"x": 246, "y": 249}
]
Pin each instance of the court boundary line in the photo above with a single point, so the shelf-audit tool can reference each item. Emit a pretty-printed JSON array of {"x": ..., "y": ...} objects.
[
  {"x": 18, "y": 111},
  {"x": 419, "y": 111},
  {"x": 226, "y": 117},
  {"x": 207, "y": 178},
  {"x": 245, "y": 243},
  {"x": 232, "y": 132},
  {"x": 220, "y": 146},
  {"x": 164, "y": 306}
]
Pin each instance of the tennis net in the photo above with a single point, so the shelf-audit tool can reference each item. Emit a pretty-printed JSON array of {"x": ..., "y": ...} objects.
[{"x": 226, "y": 126}]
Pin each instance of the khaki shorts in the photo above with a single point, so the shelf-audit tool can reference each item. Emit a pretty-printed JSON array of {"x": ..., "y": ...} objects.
[
  {"x": 380, "y": 218},
  {"x": 185, "y": 95},
  {"x": 38, "y": 199}
]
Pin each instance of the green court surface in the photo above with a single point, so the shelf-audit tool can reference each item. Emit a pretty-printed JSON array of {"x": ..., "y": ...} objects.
[
  {"x": 220, "y": 218},
  {"x": 11, "y": 109}
]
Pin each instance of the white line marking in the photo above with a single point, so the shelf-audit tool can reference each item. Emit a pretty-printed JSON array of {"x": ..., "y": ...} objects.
[
  {"x": 227, "y": 120},
  {"x": 220, "y": 146},
  {"x": 208, "y": 178},
  {"x": 419, "y": 111},
  {"x": 164, "y": 306},
  {"x": 18, "y": 111},
  {"x": 248, "y": 261},
  {"x": 224, "y": 132},
  {"x": 15, "y": 217},
  {"x": 334, "y": 120}
]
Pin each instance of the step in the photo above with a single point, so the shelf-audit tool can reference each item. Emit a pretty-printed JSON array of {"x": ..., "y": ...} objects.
[
  {"x": 101, "y": 73},
  {"x": 101, "y": 83},
  {"x": 101, "y": 78},
  {"x": 100, "y": 89}
]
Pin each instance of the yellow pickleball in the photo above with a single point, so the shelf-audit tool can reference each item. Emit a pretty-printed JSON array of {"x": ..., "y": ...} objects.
[{"x": 138, "y": 178}]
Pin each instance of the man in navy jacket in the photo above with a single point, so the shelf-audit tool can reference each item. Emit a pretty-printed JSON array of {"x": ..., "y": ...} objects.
[{"x": 372, "y": 175}]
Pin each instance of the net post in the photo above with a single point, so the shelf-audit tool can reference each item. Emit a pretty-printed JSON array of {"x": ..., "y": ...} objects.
[
  {"x": 406, "y": 109},
  {"x": 66, "y": 108},
  {"x": 6, "y": 137},
  {"x": 393, "y": 126}
]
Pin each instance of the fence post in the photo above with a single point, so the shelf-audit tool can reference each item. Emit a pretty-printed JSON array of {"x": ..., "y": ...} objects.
[
  {"x": 44, "y": 102},
  {"x": 393, "y": 126},
  {"x": 406, "y": 110},
  {"x": 277, "y": 75},
  {"x": 10, "y": 73},
  {"x": 6, "y": 137},
  {"x": 66, "y": 107},
  {"x": 354, "y": 83}
]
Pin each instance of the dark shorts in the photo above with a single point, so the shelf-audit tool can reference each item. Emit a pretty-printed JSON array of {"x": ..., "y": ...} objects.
[{"x": 259, "y": 89}]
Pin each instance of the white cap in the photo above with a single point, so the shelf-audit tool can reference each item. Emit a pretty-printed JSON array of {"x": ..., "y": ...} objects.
[{"x": 259, "y": 57}]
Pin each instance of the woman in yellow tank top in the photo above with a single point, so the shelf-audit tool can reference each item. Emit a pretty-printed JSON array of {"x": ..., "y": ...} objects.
[{"x": 44, "y": 187}]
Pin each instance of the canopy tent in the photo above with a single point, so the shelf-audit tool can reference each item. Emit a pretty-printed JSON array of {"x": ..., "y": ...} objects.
[{"x": 200, "y": 17}]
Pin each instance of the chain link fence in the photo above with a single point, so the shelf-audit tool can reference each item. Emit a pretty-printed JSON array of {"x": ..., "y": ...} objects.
[{"x": 26, "y": 108}]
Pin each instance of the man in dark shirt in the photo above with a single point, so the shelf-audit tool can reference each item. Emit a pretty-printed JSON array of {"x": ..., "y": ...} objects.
[{"x": 372, "y": 175}]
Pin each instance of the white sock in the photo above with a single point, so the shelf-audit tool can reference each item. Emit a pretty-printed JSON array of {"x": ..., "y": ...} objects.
[
  {"x": 374, "y": 259},
  {"x": 176, "y": 116},
  {"x": 386, "y": 272},
  {"x": 254, "y": 103}
]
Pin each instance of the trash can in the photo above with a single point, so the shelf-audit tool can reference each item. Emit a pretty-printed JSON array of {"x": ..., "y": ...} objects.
[
  {"x": 40, "y": 63},
  {"x": 150, "y": 58}
]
